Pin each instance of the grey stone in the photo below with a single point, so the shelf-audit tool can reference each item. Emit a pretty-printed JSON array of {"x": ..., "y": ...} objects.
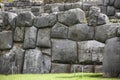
[
  {"x": 33, "y": 61},
  {"x": 8, "y": 17},
  {"x": 86, "y": 6},
  {"x": 46, "y": 64},
  {"x": 98, "y": 68},
  {"x": 110, "y": 11},
  {"x": 19, "y": 34},
  {"x": 103, "y": 9},
  {"x": 25, "y": 19},
  {"x": 64, "y": 51},
  {"x": 106, "y": 2},
  {"x": 61, "y": 7},
  {"x": 111, "y": 2},
  {"x": 118, "y": 32},
  {"x": 45, "y": 21},
  {"x": 100, "y": 2},
  {"x": 88, "y": 68},
  {"x": 76, "y": 68},
  {"x": 90, "y": 51},
  {"x": 77, "y": 5},
  {"x": 12, "y": 61},
  {"x": 60, "y": 68},
  {"x": 80, "y": 32},
  {"x": 30, "y": 37},
  {"x": 46, "y": 51},
  {"x": 59, "y": 31},
  {"x": 111, "y": 61},
  {"x": 102, "y": 19},
  {"x": 35, "y": 9},
  {"x": 43, "y": 38},
  {"x": 68, "y": 6},
  {"x": 117, "y": 15},
  {"x": 106, "y": 31},
  {"x": 117, "y": 4},
  {"x": 72, "y": 17},
  {"x": 6, "y": 40}
]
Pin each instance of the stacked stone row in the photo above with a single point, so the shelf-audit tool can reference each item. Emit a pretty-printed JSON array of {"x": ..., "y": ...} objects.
[{"x": 56, "y": 42}]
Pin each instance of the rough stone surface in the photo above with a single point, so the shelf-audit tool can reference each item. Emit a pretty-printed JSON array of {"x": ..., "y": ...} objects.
[
  {"x": 46, "y": 51},
  {"x": 90, "y": 51},
  {"x": 12, "y": 61},
  {"x": 106, "y": 31},
  {"x": 33, "y": 61},
  {"x": 76, "y": 68},
  {"x": 80, "y": 32},
  {"x": 25, "y": 19},
  {"x": 60, "y": 68},
  {"x": 19, "y": 34},
  {"x": 118, "y": 32},
  {"x": 117, "y": 4},
  {"x": 98, "y": 69},
  {"x": 30, "y": 37},
  {"x": 46, "y": 64},
  {"x": 6, "y": 40},
  {"x": 43, "y": 38},
  {"x": 59, "y": 31},
  {"x": 110, "y": 11},
  {"x": 117, "y": 15},
  {"x": 111, "y": 62},
  {"x": 86, "y": 6},
  {"x": 64, "y": 51},
  {"x": 77, "y": 5},
  {"x": 45, "y": 21},
  {"x": 72, "y": 17}
]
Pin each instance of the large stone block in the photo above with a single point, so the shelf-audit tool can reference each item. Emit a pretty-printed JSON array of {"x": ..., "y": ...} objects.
[
  {"x": 59, "y": 31},
  {"x": 30, "y": 37},
  {"x": 110, "y": 11},
  {"x": 46, "y": 51},
  {"x": 76, "y": 68},
  {"x": 46, "y": 64},
  {"x": 6, "y": 40},
  {"x": 106, "y": 31},
  {"x": 90, "y": 51},
  {"x": 12, "y": 61},
  {"x": 111, "y": 61},
  {"x": 80, "y": 32},
  {"x": 117, "y": 4},
  {"x": 25, "y": 19},
  {"x": 77, "y": 5},
  {"x": 64, "y": 51},
  {"x": 33, "y": 61},
  {"x": 19, "y": 34},
  {"x": 60, "y": 68},
  {"x": 43, "y": 38},
  {"x": 45, "y": 21},
  {"x": 72, "y": 17},
  {"x": 98, "y": 69}
]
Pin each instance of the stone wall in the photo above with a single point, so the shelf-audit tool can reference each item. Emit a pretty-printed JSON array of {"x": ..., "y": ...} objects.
[{"x": 59, "y": 42}]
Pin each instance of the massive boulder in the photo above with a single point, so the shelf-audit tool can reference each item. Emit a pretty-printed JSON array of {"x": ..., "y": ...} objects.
[
  {"x": 90, "y": 51},
  {"x": 80, "y": 32},
  {"x": 117, "y": 4},
  {"x": 33, "y": 61},
  {"x": 12, "y": 61},
  {"x": 45, "y": 21},
  {"x": 72, "y": 17},
  {"x": 106, "y": 31},
  {"x": 30, "y": 37},
  {"x": 111, "y": 61},
  {"x": 43, "y": 38},
  {"x": 59, "y": 31},
  {"x": 64, "y": 51},
  {"x": 60, "y": 68},
  {"x": 25, "y": 19},
  {"x": 6, "y": 40}
]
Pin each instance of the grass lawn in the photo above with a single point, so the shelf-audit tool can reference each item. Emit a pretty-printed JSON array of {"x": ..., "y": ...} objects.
[{"x": 72, "y": 76}]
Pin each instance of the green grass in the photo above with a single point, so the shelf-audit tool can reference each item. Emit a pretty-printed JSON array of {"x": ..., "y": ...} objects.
[{"x": 73, "y": 76}]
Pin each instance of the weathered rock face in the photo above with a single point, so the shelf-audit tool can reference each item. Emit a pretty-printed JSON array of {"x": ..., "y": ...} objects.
[
  {"x": 111, "y": 61},
  {"x": 12, "y": 61},
  {"x": 59, "y": 31},
  {"x": 60, "y": 68},
  {"x": 19, "y": 34},
  {"x": 43, "y": 38},
  {"x": 25, "y": 19},
  {"x": 6, "y": 40},
  {"x": 72, "y": 17},
  {"x": 105, "y": 32},
  {"x": 30, "y": 37},
  {"x": 45, "y": 21},
  {"x": 80, "y": 32},
  {"x": 90, "y": 51},
  {"x": 116, "y": 4},
  {"x": 64, "y": 51},
  {"x": 33, "y": 61}
]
